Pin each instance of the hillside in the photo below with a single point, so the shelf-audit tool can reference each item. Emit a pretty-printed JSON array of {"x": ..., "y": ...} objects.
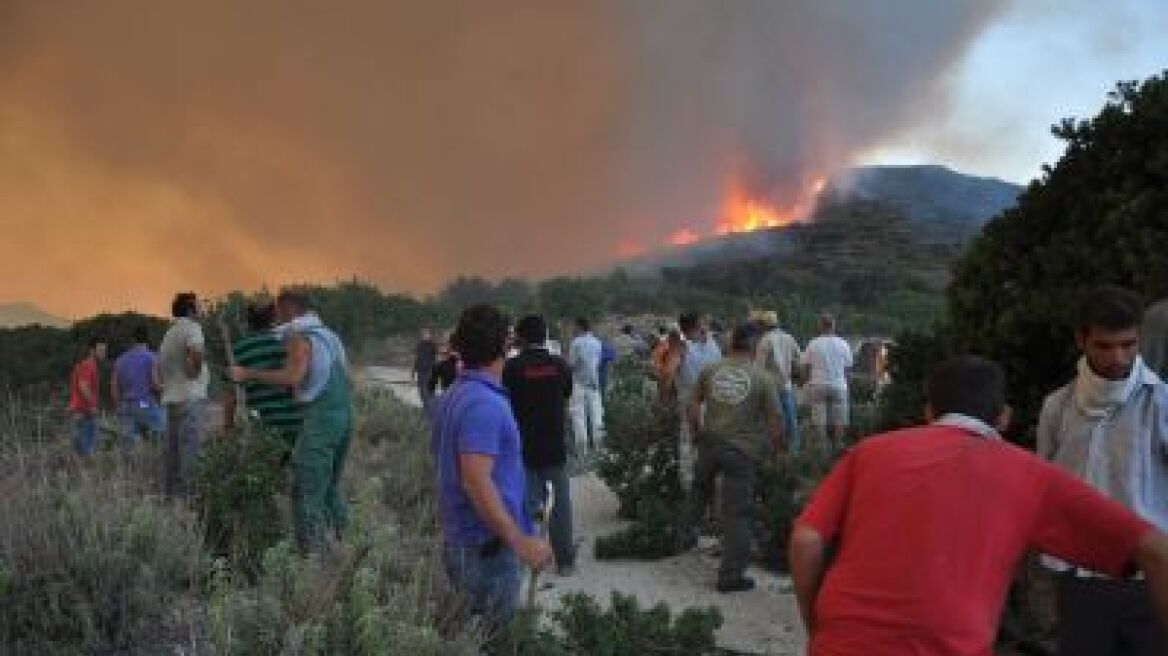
[
  {"x": 16, "y": 315},
  {"x": 942, "y": 208},
  {"x": 949, "y": 207}
]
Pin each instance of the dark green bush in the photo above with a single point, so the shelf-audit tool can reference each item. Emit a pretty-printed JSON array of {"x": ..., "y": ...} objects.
[
  {"x": 640, "y": 465},
  {"x": 238, "y": 481},
  {"x": 581, "y": 627}
]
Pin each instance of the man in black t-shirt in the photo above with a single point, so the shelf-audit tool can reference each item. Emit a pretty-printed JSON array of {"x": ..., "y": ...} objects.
[{"x": 540, "y": 385}]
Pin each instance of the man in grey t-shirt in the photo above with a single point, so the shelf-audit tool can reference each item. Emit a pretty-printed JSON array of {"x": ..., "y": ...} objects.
[{"x": 183, "y": 374}]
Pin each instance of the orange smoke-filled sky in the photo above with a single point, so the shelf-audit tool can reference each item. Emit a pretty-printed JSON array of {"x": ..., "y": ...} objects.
[{"x": 148, "y": 146}]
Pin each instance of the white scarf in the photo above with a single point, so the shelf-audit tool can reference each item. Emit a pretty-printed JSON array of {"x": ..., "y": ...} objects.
[{"x": 1097, "y": 396}]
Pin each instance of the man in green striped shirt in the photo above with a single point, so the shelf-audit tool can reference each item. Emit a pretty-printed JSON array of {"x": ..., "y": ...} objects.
[{"x": 263, "y": 349}]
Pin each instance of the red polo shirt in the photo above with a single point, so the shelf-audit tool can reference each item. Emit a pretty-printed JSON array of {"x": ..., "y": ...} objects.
[
  {"x": 931, "y": 523},
  {"x": 84, "y": 373}
]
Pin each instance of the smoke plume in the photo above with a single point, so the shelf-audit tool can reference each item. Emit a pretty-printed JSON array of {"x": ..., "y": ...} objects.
[{"x": 153, "y": 145}]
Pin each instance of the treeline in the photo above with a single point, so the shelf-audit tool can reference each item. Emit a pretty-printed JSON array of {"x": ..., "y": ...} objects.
[{"x": 862, "y": 261}]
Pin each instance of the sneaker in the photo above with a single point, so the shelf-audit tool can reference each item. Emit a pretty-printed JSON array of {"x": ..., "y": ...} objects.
[{"x": 744, "y": 584}]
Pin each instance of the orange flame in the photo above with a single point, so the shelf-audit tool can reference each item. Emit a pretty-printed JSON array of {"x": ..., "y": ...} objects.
[
  {"x": 742, "y": 213},
  {"x": 684, "y": 237}
]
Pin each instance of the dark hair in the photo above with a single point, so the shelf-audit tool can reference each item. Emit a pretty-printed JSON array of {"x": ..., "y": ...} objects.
[
  {"x": 481, "y": 335},
  {"x": 744, "y": 337},
  {"x": 185, "y": 304},
  {"x": 261, "y": 315},
  {"x": 688, "y": 321},
  {"x": 141, "y": 335},
  {"x": 628, "y": 329},
  {"x": 295, "y": 297},
  {"x": 583, "y": 324},
  {"x": 1110, "y": 308},
  {"x": 968, "y": 385},
  {"x": 532, "y": 329}
]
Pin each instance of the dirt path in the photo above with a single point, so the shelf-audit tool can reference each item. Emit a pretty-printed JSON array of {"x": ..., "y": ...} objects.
[{"x": 764, "y": 621}]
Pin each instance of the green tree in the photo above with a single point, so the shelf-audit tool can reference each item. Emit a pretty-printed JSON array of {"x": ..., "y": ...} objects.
[{"x": 1100, "y": 215}]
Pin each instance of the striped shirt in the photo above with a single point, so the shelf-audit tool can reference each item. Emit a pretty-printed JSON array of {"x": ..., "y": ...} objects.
[{"x": 276, "y": 406}]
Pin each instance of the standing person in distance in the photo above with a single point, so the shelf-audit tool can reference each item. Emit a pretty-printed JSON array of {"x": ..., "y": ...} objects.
[
  {"x": 478, "y": 454},
  {"x": 698, "y": 350},
  {"x": 587, "y": 405},
  {"x": 778, "y": 353},
  {"x": 540, "y": 385},
  {"x": 1109, "y": 428},
  {"x": 134, "y": 386},
  {"x": 183, "y": 372},
  {"x": 85, "y": 397},
  {"x": 422, "y": 371},
  {"x": 263, "y": 348},
  {"x": 828, "y": 358}
]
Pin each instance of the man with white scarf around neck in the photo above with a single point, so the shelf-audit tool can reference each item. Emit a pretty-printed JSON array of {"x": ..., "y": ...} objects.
[{"x": 1109, "y": 427}]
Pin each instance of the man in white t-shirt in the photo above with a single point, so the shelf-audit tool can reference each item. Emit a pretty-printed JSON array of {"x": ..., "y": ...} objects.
[
  {"x": 586, "y": 406},
  {"x": 183, "y": 374},
  {"x": 828, "y": 357}
]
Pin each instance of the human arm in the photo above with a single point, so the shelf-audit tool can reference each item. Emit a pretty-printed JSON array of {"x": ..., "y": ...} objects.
[
  {"x": 193, "y": 366},
  {"x": 115, "y": 392},
  {"x": 814, "y": 531},
  {"x": 693, "y": 413},
  {"x": 1077, "y": 524},
  {"x": 293, "y": 373},
  {"x": 808, "y": 563},
  {"x": 475, "y": 471}
]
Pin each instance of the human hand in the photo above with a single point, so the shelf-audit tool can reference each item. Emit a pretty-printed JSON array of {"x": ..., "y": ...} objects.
[
  {"x": 536, "y": 553},
  {"x": 237, "y": 374}
]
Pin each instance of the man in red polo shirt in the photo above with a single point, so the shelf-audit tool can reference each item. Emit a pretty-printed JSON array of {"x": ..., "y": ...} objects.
[
  {"x": 84, "y": 398},
  {"x": 930, "y": 523}
]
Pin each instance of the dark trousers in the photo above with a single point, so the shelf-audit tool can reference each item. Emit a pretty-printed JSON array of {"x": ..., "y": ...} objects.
[
  {"x": 738, "y": 472},
  {"x": 1105, "y": 617},
  {"x": 560, "y": 523},
  {"x": 425, "y": 390}
]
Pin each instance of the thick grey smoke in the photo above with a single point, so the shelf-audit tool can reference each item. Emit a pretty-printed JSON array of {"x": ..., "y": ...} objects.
[{"x": 218, "y": 144}]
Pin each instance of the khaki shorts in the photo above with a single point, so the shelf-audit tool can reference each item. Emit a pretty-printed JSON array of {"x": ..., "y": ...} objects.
[{"x": 829, "y": 406}]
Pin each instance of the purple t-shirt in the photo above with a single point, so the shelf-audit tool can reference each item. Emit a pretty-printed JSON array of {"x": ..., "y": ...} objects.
[
  {"x": 474, "y": 416},
  {"x": 134, "y": 370}
]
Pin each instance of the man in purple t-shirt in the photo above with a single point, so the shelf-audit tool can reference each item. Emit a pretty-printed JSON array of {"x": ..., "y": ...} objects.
[
  {"x": 481, "y": 480},
  {"x": 135, "y": 391}
]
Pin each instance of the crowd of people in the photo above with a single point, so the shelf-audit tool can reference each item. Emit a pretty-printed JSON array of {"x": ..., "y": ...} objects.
[
  {"x": 910, "y": 543},
  {"x": 907, "y": 546},
  {"x": 289, "y": 375}
]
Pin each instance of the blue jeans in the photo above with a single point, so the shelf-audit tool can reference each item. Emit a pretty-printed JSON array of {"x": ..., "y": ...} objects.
[
  {"x": 560, "y": 524},
  {"x": 84, "y": 433},
  {"x": 138, "y": 417},
  {"x": 490, "y": 582},
  {"x": 790, "y": 420}
]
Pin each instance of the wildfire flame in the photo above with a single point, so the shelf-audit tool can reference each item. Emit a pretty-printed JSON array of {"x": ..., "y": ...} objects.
[{"x": 741, "y": 212}]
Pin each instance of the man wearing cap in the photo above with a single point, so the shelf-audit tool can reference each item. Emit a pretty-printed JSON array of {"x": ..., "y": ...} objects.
[{"x": 778, "y": 353}]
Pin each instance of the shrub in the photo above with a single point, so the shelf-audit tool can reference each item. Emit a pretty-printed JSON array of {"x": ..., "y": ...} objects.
[
  {"x": 237, "y": 484},
  {"x": 89, "y": 566},
  {"x": 640, "y": 464},
  {"x": 784, "y": 489},
  {"x": 581, "y": 627}
]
